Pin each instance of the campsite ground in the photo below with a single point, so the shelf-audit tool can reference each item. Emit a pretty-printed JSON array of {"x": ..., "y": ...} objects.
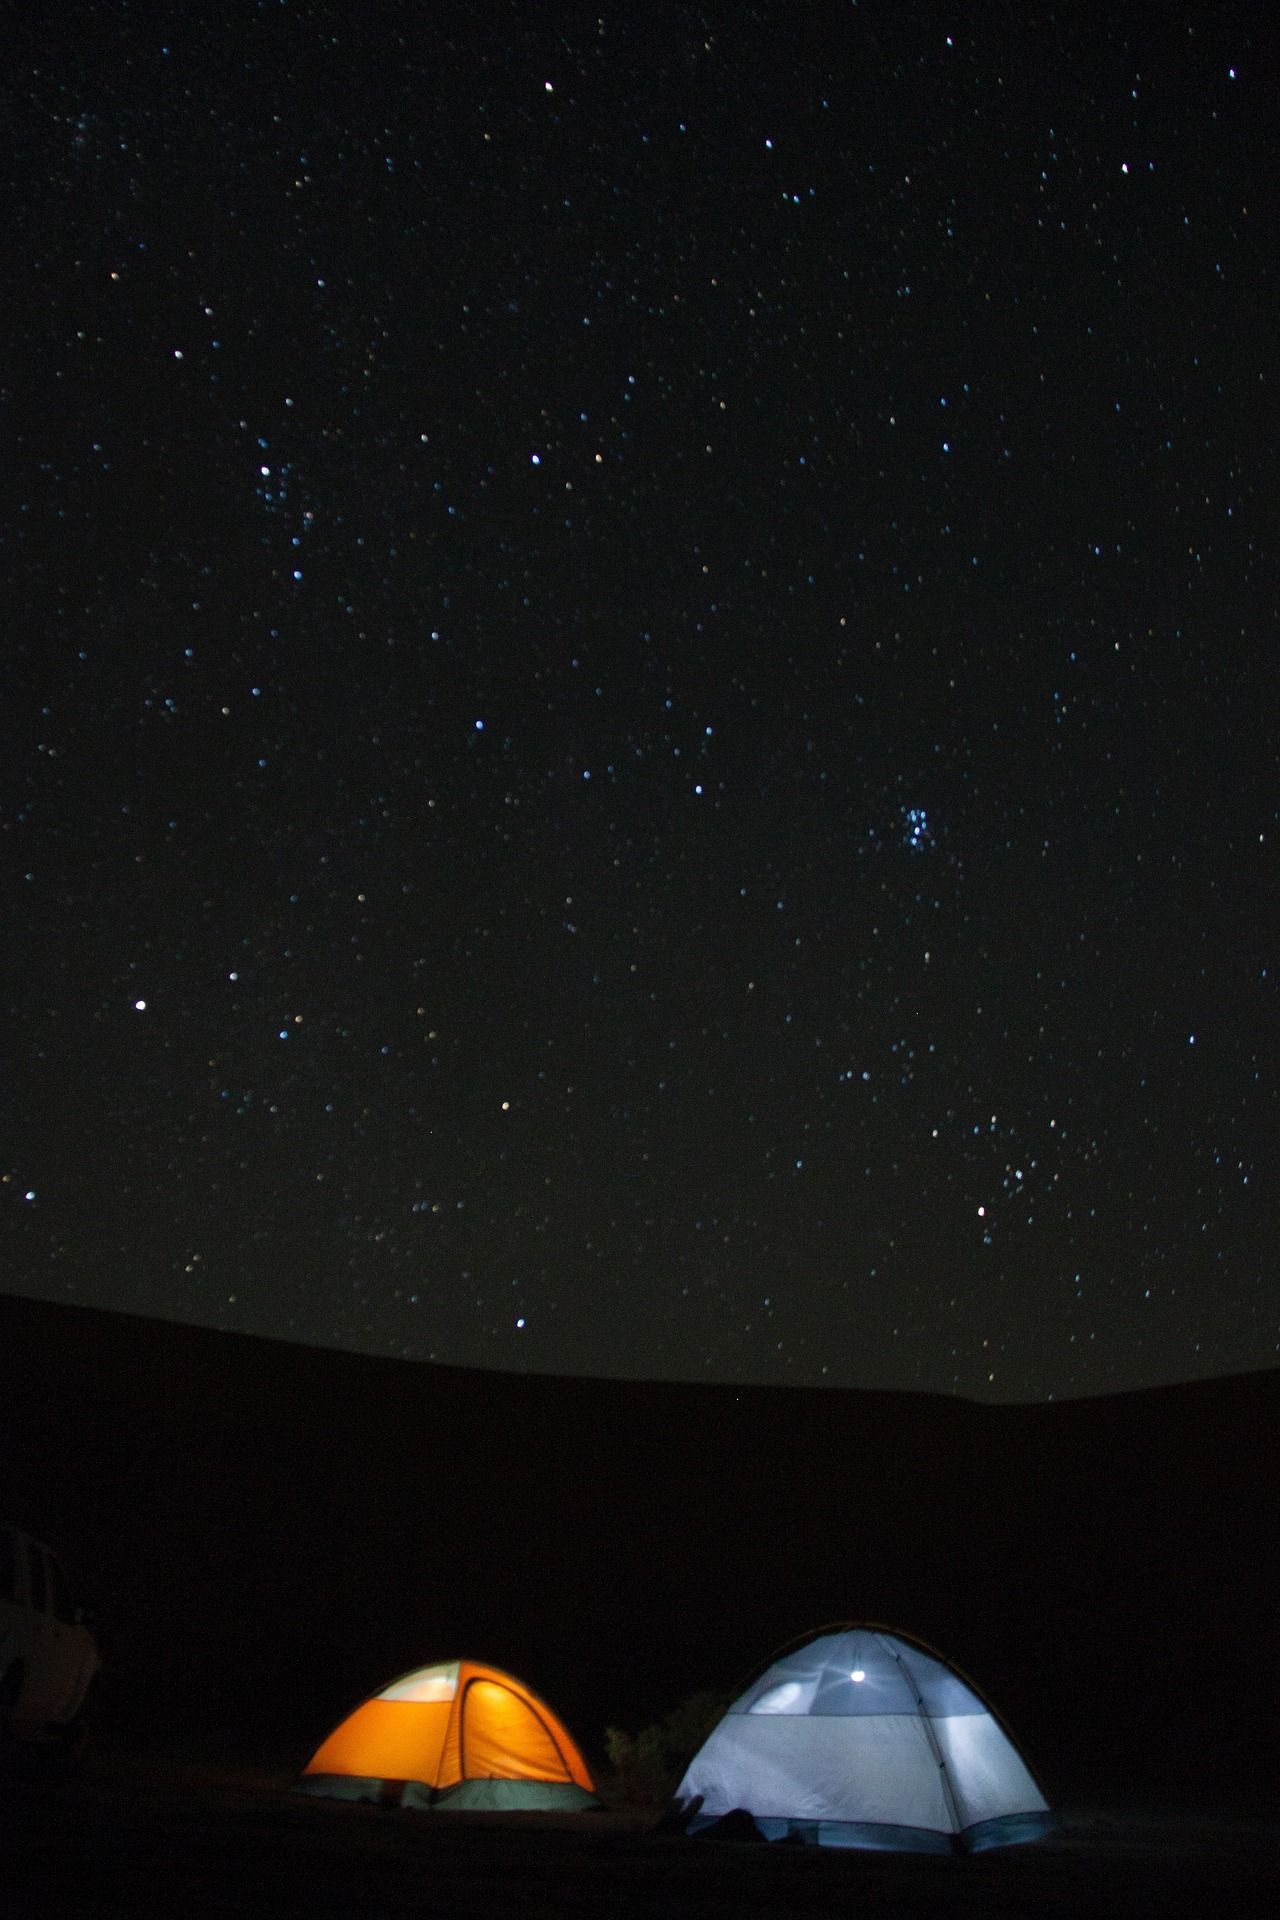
[{"x": 141, "y": 1834}]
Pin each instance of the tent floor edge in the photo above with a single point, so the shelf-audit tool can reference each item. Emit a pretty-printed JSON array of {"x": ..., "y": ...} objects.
[
  {"x": 1010, "y": 1830},
  {"x": 363, "y": 1789},
  {"x": 514, "y": 1796}
]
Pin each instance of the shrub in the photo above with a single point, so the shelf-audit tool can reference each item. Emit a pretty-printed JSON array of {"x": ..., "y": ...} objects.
[{"x": 648, "y": 1765}]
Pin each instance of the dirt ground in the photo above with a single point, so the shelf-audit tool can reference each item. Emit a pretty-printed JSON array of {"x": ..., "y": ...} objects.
[{"x": 172, "y": 1835}]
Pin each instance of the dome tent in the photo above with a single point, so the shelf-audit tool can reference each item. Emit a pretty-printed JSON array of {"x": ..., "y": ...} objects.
[
  {"x": 457, "y": 1736},
  {"x": 862, "y": 1737}
]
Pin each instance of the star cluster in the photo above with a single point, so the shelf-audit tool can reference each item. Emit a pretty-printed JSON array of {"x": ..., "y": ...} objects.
[{"x": 641, "y": 731}]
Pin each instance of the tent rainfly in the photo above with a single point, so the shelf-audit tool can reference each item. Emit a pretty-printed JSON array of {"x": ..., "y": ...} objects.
[
  {"x": 458, "y": 1736},
  {"x": 859, "y": 1737}
]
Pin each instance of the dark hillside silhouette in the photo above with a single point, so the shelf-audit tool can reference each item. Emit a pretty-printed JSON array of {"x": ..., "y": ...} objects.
[{"x": 267, "y": 1531}]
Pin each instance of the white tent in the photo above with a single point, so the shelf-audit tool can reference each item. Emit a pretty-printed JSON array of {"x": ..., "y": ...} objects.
[{"x": 860, "y": 1737}]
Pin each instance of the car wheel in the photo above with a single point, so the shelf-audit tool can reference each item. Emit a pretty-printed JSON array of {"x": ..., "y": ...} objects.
[
  {"x": 10, "y": 1694},
  {"x": 69, "y": 1749}
]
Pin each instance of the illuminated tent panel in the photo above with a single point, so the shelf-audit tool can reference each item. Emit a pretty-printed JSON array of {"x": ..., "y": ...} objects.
[
  {"x": 863, "y": 1738},
  {"x": 457, "y": 1735}
]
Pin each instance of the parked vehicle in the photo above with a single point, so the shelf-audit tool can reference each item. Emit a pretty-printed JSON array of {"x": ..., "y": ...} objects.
[{"x": 49, "y": 1661}]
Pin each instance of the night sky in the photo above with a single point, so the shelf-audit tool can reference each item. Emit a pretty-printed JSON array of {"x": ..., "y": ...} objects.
[{"x": 639, "y": 720}]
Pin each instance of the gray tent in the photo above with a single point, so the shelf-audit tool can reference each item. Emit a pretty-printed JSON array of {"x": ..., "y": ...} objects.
[{"x": 859, "y": 1737}]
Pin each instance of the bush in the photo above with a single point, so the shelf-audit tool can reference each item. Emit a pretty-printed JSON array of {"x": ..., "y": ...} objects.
[{"x": 649, "y": 1764}]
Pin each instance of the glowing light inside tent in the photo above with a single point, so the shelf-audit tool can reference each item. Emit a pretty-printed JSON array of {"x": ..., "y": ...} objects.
[{"x": 857, "y": 1674}]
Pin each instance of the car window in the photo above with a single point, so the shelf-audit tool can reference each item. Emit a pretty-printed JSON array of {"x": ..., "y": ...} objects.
[
  {"x": 39, "y": 1597},
  {"x": 8, "y": 1564},
  {"x": 60, "y": 1600}
]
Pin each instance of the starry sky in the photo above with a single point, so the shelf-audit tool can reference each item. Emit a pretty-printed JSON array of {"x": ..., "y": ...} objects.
[{"x": 639, "y": 730}]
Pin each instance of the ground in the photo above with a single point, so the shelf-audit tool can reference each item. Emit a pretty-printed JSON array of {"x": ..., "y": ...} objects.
[{"x": 165, "y": 1834}]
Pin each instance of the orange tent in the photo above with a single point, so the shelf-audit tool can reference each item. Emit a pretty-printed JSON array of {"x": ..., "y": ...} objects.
[{"x": 460, "y": 1735}]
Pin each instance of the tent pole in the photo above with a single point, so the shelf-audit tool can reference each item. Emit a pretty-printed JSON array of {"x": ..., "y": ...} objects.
[{"x": 948, "y": 1791}]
